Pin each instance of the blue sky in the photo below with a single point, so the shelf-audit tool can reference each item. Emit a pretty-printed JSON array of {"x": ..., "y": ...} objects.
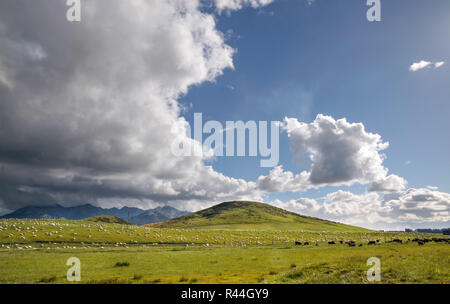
[
  {"x": 299, "y": 60},
  {"x": 90, "y": 108}
]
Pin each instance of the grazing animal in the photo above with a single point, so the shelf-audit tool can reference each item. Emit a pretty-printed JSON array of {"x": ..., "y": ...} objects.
[
  {"x": 372, "y": 243},
  {"x": 306, "y": 243},
  {"x": 298, "y": 243},
  {"x": 439, "y": 240},
  {"x": 331, "y": 243},
  {"x": 420, "y": 243}
]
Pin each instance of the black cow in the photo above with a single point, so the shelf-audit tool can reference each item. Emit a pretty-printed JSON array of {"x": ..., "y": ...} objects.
[
  {"x": 298, "y": 243},
  {"x": 331, "y": 243}
]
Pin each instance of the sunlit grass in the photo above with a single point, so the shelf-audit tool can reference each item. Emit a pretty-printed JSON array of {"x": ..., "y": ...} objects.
[{"x": 36, "y": 251}]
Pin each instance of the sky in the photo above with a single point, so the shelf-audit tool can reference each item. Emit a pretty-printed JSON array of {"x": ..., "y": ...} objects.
[{"x": 88, "y": 109}]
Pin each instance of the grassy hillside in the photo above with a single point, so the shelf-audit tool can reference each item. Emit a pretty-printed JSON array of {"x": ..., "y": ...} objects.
[
  {"x": 107, "y": 219},
  {"x": 252, "y": 216}
]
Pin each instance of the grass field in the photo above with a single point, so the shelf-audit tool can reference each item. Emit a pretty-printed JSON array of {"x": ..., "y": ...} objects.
[{"x": 36, "y": 251}]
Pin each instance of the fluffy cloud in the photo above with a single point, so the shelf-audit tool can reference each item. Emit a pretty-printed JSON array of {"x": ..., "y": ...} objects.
[
  {"x": 232, "y": 5},
  {"x": 341, "y": 153},
  {"x": 279, "y": 180},
  {"x": 417, "y": 66},
  {"x": 86, "y": 108},
  {"x": 389, "y": 184},
  {"x": 439, "y": 64},
  {"x": 410, "y": 208}
]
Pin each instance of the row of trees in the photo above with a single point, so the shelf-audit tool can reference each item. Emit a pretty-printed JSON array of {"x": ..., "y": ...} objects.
[{"x": 445, "y": 231}]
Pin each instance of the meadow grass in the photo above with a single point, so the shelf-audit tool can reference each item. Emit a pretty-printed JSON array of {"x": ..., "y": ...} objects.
[
  {"x": 400, "y": 263},
  {"x": 36, "y": 251}
]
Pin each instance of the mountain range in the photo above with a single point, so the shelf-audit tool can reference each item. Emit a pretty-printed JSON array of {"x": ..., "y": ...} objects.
[
  {"x": 132, "y": 215},
  {"x": 236, "y": 215}
]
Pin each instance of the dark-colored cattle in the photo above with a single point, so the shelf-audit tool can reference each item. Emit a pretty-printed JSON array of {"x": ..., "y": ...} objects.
[
  {"x": 372, "y": 243},
  {"x": 305, "y": 243},
  {"x": 397, "y": 241},
  {"x": 422, "y": 242},
  {"x": 298, "y": 243},
  {"x": 341, "y": 242},
  {"x": 360, "y": 245},
  {"x": 351, "y": 244},
  {"x": 331, "y": 243}
]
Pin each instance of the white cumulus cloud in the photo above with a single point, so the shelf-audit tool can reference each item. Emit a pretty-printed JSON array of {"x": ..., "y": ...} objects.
[
  {"x": 232, "y": 5},
  {"x": 341, "y": 153},
  {"x": 411, "y": 208},
  {"x": 389, "y": 184},
  {"x": 417, "y": 66},
  {"x": 439, "y": 64}
]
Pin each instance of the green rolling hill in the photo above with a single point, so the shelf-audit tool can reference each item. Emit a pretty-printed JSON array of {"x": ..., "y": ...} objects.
[{"x": 243, "y": 215}]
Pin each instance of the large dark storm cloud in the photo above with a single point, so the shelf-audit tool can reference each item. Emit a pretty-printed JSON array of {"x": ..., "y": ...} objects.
[{"x": 87, "y": 108}]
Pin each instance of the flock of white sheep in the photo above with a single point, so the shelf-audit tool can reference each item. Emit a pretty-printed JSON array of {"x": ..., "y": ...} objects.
[{"x": 64, "y": 234}]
